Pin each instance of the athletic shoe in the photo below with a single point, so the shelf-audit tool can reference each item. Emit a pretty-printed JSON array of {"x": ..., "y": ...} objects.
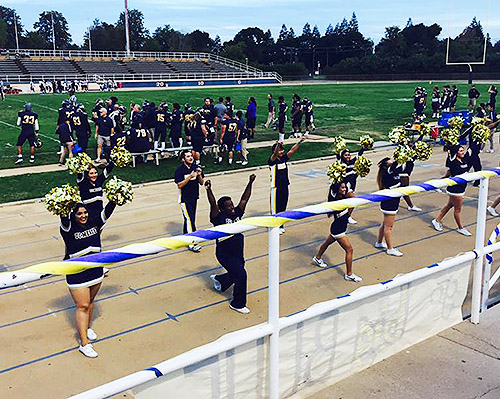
[
  {"x": 491, "y": 150},
  {"x": 61, "y": 163},
  {"x": 394, "y": 252},
  {"x": 194, "y": 247},
  {"x": 381, "y": 245},
  {"x": 437, "y": 226},
  {"x": 105, "y": 271},
  {"x": 97, "y": 160},
  {"x": 19, "y": 161},
  {"x": 351, "y": 220},
  {"x": 319, "y": 262},
  {"x": 243, "y": 310},
  {"x": 414, "y": 208},
  {"x": 282, "y": 230},
  {"x": 464, "y": 232},
  {"x": 32, "y": 159},
  {"x": 91, "y": 334},
  {"x": 217, "y": 285},
  {"x": 244, "y": 163},
  {"x": 239, "y": 161},
  {"x": 353, "y": 277},
  {"x": 492, "y": 211},
  {"x": 88, "y": 350}
]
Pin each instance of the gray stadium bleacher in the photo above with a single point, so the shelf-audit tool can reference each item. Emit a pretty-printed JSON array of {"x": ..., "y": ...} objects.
[
  {"x": 103, "y": 67},
  {"x": 149, "y": 67},
  {"x": 59, "y": 67},
  {"x": 10, "y": 67}
]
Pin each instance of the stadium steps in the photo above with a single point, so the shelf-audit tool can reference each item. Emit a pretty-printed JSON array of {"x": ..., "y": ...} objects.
[
  {"x": 77, "y": 67},
  {"x": 21, "y": 67},
  {"x": 129, "y": 69}
]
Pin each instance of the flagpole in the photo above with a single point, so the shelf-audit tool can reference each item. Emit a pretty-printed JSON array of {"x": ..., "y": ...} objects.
[{"x": 127, "y": 33}]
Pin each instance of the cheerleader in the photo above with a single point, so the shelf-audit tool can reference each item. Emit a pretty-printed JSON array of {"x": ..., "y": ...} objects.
[
  {"x": 91, "y": 188},
  {"x": 387, "y": 178},
  {"x": 459, "y": 161},
  {"x": 351, "y": 175},
  {"x": 406, "y": 171},
  {"x": 82, "y": 236},
  {"x": 338, "y": 230}
]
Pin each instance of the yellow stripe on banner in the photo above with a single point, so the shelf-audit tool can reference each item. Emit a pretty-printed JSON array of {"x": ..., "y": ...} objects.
[
  {"x": 265, "y": 221},
  {"x": 169, "y": 243},
  {"x": 487, "y": 173},
  {"x": 338, "y": 205},
  {"x": 406, "y": 190},
  {"x": 59, "y": 267}
]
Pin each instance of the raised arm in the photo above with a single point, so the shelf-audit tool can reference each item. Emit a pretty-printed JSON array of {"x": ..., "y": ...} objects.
[
  {"x": 246, "y": 194},
  {"x": 295, "y": 147},
  {"x": 214, "y": 209}
]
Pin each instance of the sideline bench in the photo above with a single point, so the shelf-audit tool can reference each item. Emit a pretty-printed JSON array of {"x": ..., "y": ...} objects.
[{"x": 156, "y": 153}]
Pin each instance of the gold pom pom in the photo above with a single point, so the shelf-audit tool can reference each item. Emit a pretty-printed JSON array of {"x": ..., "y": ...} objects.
[
  {"x": 425, "y": 130},
  {"x": 119, "y": 191},
  {"x": 404, "y": 153},
  {"x": 398, "y": 135},
  {"x": 79, "y": 164},
  {"x": 450, "y": 136},
  {"x": 62, "y": 200},
  {"x": 339, "y": 144},
  {"x": 423, "y": 151},
  {"x": 456, "y": 122},
  {"x": 362, "y": 166},
  {"x": 366, "y": 142},
  {"x": 480, "y": 133},
  {"x": 121, "y": 156},
  {"x": 337, "y": 171}
]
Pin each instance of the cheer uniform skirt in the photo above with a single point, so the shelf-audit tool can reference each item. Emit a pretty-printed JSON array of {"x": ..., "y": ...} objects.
[
  {"x": 457, "y": 190},
  {"x": 87, "y": 278}
]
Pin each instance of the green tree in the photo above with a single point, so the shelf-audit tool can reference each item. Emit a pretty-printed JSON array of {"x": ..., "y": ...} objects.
[
  {"x": 8, "y": 15},
  {"x": 168, "y": 38},
  {"x": 217, "y": 46},
  {"x": 199, "y": 41},
  {"x": 315, "y": 32},
  {"x": 4, "y": 35},
  {"x": 138, "y": 32},
  {"x": 306, "y": 31},
  {"x": 61, "y": 31}
]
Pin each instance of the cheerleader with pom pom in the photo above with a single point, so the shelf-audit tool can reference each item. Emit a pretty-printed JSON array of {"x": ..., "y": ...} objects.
[
  {"x": 459, "y": 161},
  {"x": 387, "y": 178},
  {"x": 338, "y": 191},
  {"x": 91, "y": 185}
]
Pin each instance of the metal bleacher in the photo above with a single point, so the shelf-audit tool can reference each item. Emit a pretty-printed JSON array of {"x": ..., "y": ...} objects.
[{"x": 34, "y": 65}]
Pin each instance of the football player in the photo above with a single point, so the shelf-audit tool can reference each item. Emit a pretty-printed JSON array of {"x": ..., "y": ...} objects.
[{"x": 28, "y": 121}]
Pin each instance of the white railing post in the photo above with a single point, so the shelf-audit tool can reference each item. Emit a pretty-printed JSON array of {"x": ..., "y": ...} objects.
[
  {"x": 274, "y": 311},
  {"x": 480, "y": 237}
]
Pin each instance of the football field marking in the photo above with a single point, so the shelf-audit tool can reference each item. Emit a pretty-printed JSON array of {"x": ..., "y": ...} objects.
[{"x": 40, "y": 134}]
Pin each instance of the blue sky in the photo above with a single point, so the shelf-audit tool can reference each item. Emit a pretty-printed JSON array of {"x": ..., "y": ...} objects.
[{"x": 227, "y": 17}]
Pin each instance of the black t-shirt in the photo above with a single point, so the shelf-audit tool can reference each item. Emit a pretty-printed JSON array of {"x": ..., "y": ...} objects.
[
  {"x": 176, "y": 121},
  {"x": 138, "y": 140},
  {"x": 105, "y": 125},
  {"x": 28, "y": 121},
  {"x": 279, "y": 171},
  {"x": 270, "y": 105},
  {"x": 231, "y": 245},
  {"x": 241, "y": 128},
  {"x": 282, "y": 110},
  {"x": 191, "y": 191}
]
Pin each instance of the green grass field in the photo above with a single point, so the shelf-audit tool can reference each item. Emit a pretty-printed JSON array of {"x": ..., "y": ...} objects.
[{"x": 349, "y": 110}]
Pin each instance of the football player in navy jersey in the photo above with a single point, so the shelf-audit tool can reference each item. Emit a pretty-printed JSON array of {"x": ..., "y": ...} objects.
[
  {"x": 188, "y": 111},
  {"x": 282, "y": 109},
  {"x": 228, "y": 136},
  {"x": 176, "y": 120},
  {"x": 309, "y": 115},
  {"x": 297, "y": 112},
  {"x": 242, "y": 138},
  {"x": 188, "y": 177},
  {"x": 229, "y": 250},
  {"x": 161, "y": 122},
  {"x": 28, "y": 121},
  {"x": 229, "y": 105},
  {"x": 338, "y": 229},
  {"x": 138, "y": 141},
  {"x": 66, "y": 140},
  {"x": 81, "y": 126},
  {"x": 199, "y": 133},
  {"x": 97, "y": 110},
  {"x": 210, "y": 117}
]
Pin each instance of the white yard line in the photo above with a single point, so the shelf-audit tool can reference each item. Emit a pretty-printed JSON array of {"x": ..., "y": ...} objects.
[{"x": 40, "y": 134}]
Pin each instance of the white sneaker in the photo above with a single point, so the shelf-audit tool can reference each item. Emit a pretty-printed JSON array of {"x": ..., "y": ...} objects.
[
  {"x": 464, "y": 232},
  {"x": 351, "y": 220},
  {"x": 382, "y": 245},
  {"x": 194, "y": 247},
  {"x": 18, "y": 161},
  {"x": 243, "y": 310},
  {"x": 88, "y": 350},
  {"x": 394, "y": 252},
  {"x": 492, "y": 211},
  {"x": 105, "y": 271},
  {"x": 353, "y": 277},
  {"x": 437, "y": 226},
  {"x": 244, "y": 163},
  {"x": 91, "y": 334},
  {"x": 319, "y": 262},
  {"x": 217, "y": 285},
  {"x": 414, "y": 208},
  {"x": 282, "y": 230},
  {"x": 97, "y": 160},
  {"x": 490, "y": 151},
  {"x": 32, "y": 159}
]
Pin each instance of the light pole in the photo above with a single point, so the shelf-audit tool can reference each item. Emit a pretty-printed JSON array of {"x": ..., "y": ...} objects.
[
  {"x": 15, "y": 30},
  {"x": 127, "y": 33},
  {"x": 53, "y": 33}
]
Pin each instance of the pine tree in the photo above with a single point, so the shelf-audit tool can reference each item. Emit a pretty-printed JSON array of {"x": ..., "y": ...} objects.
[
  {"x": 329, "y": 30},
  {"x": 283, "y": 33},
  {"x": 409, "y": 23},
  {"x": 307, "y": 30},
  {"x": 353, "y": 23},
  {"x": 315, "y": 32}
]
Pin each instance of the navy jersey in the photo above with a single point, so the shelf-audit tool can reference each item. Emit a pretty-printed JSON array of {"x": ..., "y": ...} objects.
[
  {"x": 80, "y": 123},
  {"x": 229, "y": 107},
  {"x": 279, "y": 171},
  {"x": 92, "y": 193},
  {"x": 119, "y": 139},
  {"x": 162, "y": 120},
  {"x": 231, "y": 129},
  {"x": 105, "y": 124},
  {"x": 308, "y": 108},
  {"x": 137, "y": 120},
  {"x": 191, "y": 191},
  {"x": 64, "y": 132},
  {"x": 297, "y": 109},
  {"x": 149, "y": 117},
  {"x": 95, "y": 113},
  {"x": 176, "y": 121},
  {"x": 231, "y": 245},
  {"x": 390, "y": 176},
  {"x": 138, "y": 140},
  {"x": 65, "y": 114},
  {"x": 84, "y": 239},
  {"x": 28, "y": 121},
  {"x": 187, "y": 125},
  {"x": 283, "y": 107},
  {"x": 209, "y": 114},
  {"x": 456, "y": 166}
]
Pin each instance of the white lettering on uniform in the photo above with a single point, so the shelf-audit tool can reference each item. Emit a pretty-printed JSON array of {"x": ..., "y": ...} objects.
[
  {"x": 186, "y": 176},
  {"x": 80, "y": 235}
]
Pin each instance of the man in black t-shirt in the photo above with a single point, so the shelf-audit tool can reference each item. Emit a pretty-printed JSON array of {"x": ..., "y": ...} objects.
[
  {"x": 189, "y": 177},
  {"x": 104, "y": 128},
  {"x": 229, "y": 250},
  {"x": 279, "y": 176}
]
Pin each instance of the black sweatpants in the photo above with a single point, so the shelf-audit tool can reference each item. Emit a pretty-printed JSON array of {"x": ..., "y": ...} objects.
[
  {"x": 236, "y": 274},
  {"x": 189, "y": 214},
  {"x": 279, "y": 199}
]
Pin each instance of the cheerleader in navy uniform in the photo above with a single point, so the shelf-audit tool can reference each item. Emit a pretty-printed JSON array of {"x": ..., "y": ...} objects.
[
  {"x": 338, "y": 230},
  {"x": 91, "y": 185},
  {"x": 82, "y": 236},
  {"x": 351, "y": 175},
  {"x": 459, "y": 161},
  {"x": 229, "y": 250},
  {"x": 387, "y": 178}
]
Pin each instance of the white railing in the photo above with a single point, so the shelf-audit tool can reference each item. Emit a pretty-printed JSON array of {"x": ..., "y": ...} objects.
[{"x": 275, "y": 325}]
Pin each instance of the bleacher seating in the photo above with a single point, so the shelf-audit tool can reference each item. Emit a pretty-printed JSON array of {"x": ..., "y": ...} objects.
[
  {"x": 9, "y": 67},
  {"x": 59, "y": 67},
  {"x": 149, "y": 67},
  {"x": 103, "y": 67}
]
